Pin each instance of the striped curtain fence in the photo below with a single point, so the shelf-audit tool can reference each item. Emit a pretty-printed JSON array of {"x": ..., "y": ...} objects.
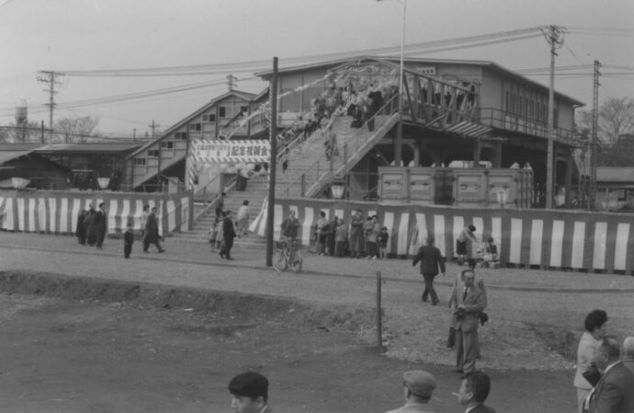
[
  {"x": 558, "y": 239},
  {"x": 57, "y": 211}
]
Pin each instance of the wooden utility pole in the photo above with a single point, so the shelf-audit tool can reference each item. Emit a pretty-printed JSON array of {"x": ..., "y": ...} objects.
[
  {"x": 48, "y": 76},
  {"x": 273, "y": 157},
  {"x": 554, "y": 38},
  {"x": 592, "y": 190}
]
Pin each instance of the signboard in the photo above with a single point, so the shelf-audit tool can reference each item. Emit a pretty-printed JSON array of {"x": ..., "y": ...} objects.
[{"x": 234, "y": 151}]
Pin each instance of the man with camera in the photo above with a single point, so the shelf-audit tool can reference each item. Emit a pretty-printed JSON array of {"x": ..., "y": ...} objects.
[{"x": 469, "y": 303}]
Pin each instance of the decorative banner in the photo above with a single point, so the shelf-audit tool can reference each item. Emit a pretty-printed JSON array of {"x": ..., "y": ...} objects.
[
  {"x": 575, "y": 240},
  {"x": 57, "y": 211},
  {"x": 235, "y": 151}
]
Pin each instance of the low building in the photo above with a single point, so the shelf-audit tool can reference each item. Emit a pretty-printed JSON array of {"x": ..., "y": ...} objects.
[{"x": 615, "y": 188}]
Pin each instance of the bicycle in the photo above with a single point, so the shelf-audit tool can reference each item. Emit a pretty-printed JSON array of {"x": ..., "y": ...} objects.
[{"x": 288, "y": 256}]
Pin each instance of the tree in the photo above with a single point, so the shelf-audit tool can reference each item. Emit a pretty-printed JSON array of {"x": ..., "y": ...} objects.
[
  {"x": 616, "y": 118},
  {"x": 620, "y": 153},
  {"x": 76, "y": 130}
]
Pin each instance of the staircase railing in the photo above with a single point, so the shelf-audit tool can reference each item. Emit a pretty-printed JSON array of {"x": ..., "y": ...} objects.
[
  {"x": 215, "y": 196},
  {"x": 325, "y": 165}
]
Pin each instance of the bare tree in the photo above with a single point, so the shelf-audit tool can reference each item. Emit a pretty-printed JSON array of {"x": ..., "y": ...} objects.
[
  {"x": 76, "y": 130},
  {"x": 616, "y": 118}
]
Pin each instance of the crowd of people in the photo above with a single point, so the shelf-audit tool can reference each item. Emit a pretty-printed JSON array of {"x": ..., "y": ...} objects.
[
  {"x": 361, "y": 237},
  {"x": 250, "y": 392},
  {"x": 92, "y": 228}
]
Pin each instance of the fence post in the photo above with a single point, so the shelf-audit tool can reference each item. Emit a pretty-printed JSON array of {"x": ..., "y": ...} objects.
[{"x": 379, "y": 311}]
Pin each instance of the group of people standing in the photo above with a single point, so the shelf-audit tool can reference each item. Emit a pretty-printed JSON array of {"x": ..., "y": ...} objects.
[
  {"x": 605, "y": 373},
  {"x": 92, "y": 226},
  {"x": 363, "y": 236}
]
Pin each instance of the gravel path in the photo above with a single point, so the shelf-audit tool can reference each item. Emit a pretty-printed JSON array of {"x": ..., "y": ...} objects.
[{"x": 530, "y": 310}]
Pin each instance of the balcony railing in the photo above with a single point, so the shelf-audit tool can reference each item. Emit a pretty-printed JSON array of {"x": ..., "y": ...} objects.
[{"x": 500, "y": 119}]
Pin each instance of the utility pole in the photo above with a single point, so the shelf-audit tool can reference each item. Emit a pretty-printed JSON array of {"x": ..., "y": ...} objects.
[
  {"x": 154, "y": 126},
  {"x": 270, "y": 211},
  {"x": 398, "y": 147},
  {"x": 554, "y": 36},
  {"x": 592, "y": 190},
  {"x": 48, "y": 76},
  {"x": 231, "y": 82}
]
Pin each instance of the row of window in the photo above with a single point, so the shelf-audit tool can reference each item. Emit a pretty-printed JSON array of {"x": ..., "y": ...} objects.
[{"x": 528, "y": 104}]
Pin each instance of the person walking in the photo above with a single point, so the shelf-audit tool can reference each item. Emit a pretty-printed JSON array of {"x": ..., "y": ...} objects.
[
  {"x": 80, "y": 230},
  {"x": 430, "y": 262},
  {"x": 151, "y": 233},
  {"x": 228, "y": 234},
  {"x": 220, "y": 205},
  {"x": 322, "y": 233},
  {"x": 466, "y": 235}
]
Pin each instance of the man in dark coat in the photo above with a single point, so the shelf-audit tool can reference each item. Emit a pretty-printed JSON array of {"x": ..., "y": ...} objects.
[
  {"x": 151, "y": 233},
  {"x": 90, "y": 225},
  {"x": 474, "y": 391},
  {"x": 614, "y": 393},
  {"x": 228, "y": 234},
  {"x": 101, "y": 221},
  {"x": 430, "y": 260},
  {"x": 80, "y": 231}
]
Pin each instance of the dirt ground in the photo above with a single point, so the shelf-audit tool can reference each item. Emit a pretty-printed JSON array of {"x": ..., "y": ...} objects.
[
  {"x": 85, "y": 330},
  {"x": 59, "y": 355}
]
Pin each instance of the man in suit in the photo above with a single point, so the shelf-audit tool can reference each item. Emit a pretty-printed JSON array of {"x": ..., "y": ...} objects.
[
  {"x": 228, "y": 234},
  {"x": 430, "y": 260},
  {"x": 474, "y": 390},
  {"x": 614, "y": 393},
  {"x": 469, "y": 304}
]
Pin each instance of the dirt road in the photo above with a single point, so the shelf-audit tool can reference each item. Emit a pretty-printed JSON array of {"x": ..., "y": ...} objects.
[{"x": 117, "y": 356}]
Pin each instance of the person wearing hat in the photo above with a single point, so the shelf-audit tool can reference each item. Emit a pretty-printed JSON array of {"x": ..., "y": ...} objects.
[
  {"x": 418, "y": 386},
  {"x": 474, "y": 390},
  {"x": 249, "y": 393},
  {"x": 430, "y": 260},
  {"x": 466, "y": 235}
]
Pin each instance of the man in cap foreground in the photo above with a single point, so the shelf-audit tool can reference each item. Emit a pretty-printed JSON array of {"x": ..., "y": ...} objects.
[
  {"x": 418, "y": 386},
  {"x": 249, "y": 393},
  {"x": 474, "y": 390}
]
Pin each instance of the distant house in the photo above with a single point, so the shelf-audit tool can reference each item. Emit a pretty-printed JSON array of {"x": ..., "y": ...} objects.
[{"x": 615, "y": 187}]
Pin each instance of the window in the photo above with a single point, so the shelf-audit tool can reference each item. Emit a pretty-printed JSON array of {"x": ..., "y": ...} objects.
[
  {"x": 195, "y": 126},
  {"x": 222, "y": 111},
  {"x": 181, "y": 135},
  {"x": 167, "y": 145},
  {"x": 153, "y": 152},
  {"x": 209, "y": 118},
  {"x": 139, "y": 161}
]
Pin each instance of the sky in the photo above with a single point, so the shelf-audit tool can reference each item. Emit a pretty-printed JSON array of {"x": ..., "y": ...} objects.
[{"x": 86, "y": 35}]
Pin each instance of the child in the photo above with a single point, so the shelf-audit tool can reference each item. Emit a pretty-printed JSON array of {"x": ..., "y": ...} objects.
[
  {"x": 128, "y": 240},
  {"x": 382, "y": 241}
]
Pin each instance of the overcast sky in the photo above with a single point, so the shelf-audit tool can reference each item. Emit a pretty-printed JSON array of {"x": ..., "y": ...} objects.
[{"x": 76, "y": 35}]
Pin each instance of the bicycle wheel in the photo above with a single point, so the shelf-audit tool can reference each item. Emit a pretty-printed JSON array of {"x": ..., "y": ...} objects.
[
  {"x": 280, "y": 262},
  {"x": 296, "y": 261}
]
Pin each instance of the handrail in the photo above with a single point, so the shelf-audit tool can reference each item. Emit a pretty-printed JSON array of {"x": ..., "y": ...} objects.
[
  {"x": 316, "y": 165},
  {"x": 213, "y": 202}
]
